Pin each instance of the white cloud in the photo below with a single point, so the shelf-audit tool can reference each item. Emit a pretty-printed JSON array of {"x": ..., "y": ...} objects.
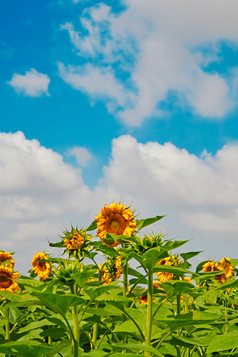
[
  {"x": 40, "y": 195},
  {"x": 199, "y": 194},
  {"x": 32, "y": 84},
  {"x": 159, "y": 46},
  {"x": 82, "y": 155}
]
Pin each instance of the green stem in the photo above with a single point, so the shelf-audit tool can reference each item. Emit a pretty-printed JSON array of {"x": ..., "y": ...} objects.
[
  {"x": 95, "y": 330},
  {"x": 226, "y": 317},
  {"x": 149, "y": 310},
  {"x": 125, "y": 291},
  {"x": 125, "y": 279},
  {"x": 7, "y": 327},
  {"x": 76, "y": 331}
]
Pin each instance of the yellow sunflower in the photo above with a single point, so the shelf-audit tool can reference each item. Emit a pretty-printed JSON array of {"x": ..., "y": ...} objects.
[
  {"x": 77, "y": 241},
  {"x": 143, "y": 300},
  {"x": 111, "y": 270},
  {"x": 229, "y": 270},
  {"x": 8, "y": 259},
  {"x": 42, "y": 269},
  {"x": 117, "y": 219},
  {"x": 211, "y": 266},
  {"x": 7, "y": 279},
  {"x": 171, "y": 261}
]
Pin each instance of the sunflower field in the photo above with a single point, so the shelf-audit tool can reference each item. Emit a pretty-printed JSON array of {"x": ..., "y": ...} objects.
[{"x": 118, "y": 291}]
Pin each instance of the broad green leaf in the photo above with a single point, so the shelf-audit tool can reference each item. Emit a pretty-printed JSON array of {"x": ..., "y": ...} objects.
[
  {"x": 35, "y": 325},
  {"x": 95, "y": 292},
  {"x": 190, "y": 255},
  {"x": 59, "y": 303},
  {"x": 92, "y": 226},
  {"x": 223, "y": 342},
  {"x": 137, "y": 346},
  {"x": 175, "y": 287},
  {"x": 185, "y": 341},
  {"x": 57, "y": 320},
  {"x": 152, "y": 256},
  {"x": 82, "y": 278},
  {"x": 141, "y": 223},
  {"x": 54, "y": 332},
  {"x": 170, "y": 269},
  {"x": 192, "y": 318},
  {"x": 170, "y": 245},
  {"x": 26, "y": 349},
  {"x": 229, "y": 285},
  {"x": 134, "y": 272}
]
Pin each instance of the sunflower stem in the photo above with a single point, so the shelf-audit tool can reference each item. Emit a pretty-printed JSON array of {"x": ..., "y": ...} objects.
[
  {"x": 95, "y": 330},
  {"x": 149, "y": 310},
  {"x": 7, "y": 327},
  {"x": 125, "y": 292}
]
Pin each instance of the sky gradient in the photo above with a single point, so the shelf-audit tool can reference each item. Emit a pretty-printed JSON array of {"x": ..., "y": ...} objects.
[{"x": 108, "y": 101}]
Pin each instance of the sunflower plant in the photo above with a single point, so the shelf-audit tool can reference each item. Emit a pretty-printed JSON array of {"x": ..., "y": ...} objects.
[{"x": 118, "y": 291}]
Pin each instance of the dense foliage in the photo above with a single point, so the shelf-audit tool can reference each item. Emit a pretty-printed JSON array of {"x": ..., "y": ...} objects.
[{"x": 125, "y": 293}]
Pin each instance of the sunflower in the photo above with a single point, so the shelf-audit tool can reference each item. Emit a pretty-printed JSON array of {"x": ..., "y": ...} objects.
[
  {"x": 117, "y": 219},
  {"x": 171, "y": 261},
  {"x": 77, "y": 241},
  {"x": 7, "y": 259},
  {"x": 143, "y": 300},
  {"x": 224, "y": 264},
  {"x": 42, "y": 269},
  {"x": 111, "y": 270},
  {"x": 7, "y": 279},
  {"x": 229, "y": 270}
]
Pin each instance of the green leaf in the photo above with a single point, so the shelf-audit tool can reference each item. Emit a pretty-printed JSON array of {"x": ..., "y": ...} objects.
[
  {"x": 59, "y": 303},
  {"x": 92, "y": 226},
  {"x": 171, "y": 269},
  {"x": 35, "y": 325},
  {"x": 190, "y": 255},
  {"x": 141, "y": 223},
  {"x": 57, "y": 245},
  {"x": 95, "y": 292},
  {"x": 188, "y": 341},
  {"x": 26, "y": 349},
  {"x": 170, "y": 245},
  {"x": 137, "y": 346},
  {"x": 54, "y": 332},
  {"x": 223, "y": 342},
  {"x": 191, "y": 318},
  {"x": 152, "y": 256}
]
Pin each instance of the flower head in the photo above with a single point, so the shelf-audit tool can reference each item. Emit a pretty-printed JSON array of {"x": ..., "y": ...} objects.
[
  {"x": 6, "y": 259},
  {"x": 7, "y": 279},
  {"x": 111, "y": 270},
  {"x": 224, "y": 264},
  {"x": 171, "y": 261},
  {"x": 143, "y": 300},
  {"x": 77, "y": 241},
  {"x": 41, "y": 268},
  {"x": 117, "y": 219}
]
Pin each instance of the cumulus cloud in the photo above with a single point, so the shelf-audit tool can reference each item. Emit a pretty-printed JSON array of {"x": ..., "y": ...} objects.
[
  {"x": 82, "y": 155},
  {"x": 31, "y": 84},
  {"x": 199, "y": 194},
  {"x": 40, "y": 195},
  {"x": 158, "y": 46}
]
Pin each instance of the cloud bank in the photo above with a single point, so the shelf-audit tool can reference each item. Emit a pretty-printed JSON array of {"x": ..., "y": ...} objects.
[
  {"x": 137, "y": 58},
  {"x": 41, "y": 195}
]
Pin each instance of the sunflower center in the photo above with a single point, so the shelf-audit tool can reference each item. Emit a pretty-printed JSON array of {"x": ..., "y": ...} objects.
[
  {"x": 5, "y": 282},
  {"x": 114, "y": 226}
]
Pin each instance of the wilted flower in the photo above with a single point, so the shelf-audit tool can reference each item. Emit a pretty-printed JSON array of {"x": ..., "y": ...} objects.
[
  {"x": 117, "y": 219},
  {"x": 6, "y": 259},
  {"x": 41, "y": 268},
  {"x": 7, "y": 279}
]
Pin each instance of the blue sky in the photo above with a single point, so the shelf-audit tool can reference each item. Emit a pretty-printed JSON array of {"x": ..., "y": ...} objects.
[{"x": 119, "y": 100}]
